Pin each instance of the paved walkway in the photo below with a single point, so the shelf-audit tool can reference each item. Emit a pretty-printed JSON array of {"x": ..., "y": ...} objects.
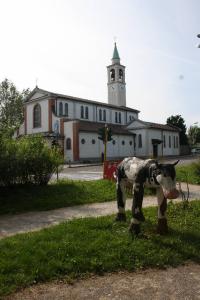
[{"x": 32, "y": 221}]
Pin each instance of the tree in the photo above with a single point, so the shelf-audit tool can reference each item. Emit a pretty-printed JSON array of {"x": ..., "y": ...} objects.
[
  {"x": 194, "y": 135},
  {"x": 179, "y": 122},
  {"x": 11, "y": 106}
]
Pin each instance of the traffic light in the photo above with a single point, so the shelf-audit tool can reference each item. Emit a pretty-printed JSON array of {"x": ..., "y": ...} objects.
[
  {"x": 109, "y": 134},
  {"x": 105, "y": 134}
]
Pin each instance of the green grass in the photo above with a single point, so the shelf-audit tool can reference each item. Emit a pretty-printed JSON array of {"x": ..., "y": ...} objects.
[
  {"x": 190, "y": 173},
  {"x": 97, "y": 245},
  {"x": 56, "y": 195}
]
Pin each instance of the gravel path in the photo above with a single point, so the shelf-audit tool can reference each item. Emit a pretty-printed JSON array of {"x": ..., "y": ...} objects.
[
  {"x": 31, "y": 221},
  {"x": 182, "y": 283}
]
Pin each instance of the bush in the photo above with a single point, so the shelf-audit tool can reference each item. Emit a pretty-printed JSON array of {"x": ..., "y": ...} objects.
[{"x": 27, "y": 160}]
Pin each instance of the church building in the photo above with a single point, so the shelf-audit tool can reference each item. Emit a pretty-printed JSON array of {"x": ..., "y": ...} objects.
[{"x": 74, "y": 123}]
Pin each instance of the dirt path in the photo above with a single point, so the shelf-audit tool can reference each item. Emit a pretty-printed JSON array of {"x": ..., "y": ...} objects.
[
  {"x": 31, "y": 221},
  {"x": 174, "y": 283}
]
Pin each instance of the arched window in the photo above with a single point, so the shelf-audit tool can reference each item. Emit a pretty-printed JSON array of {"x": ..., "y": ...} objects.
[
  {"x": 100, "y": 115},
  {"x": 68, "y": 144},
  {"x": 37, "y": 116},
  {"x": 112, "y": 75},
  {"x": 169, "y": 141},
  {"x": 116, "y": 118},
  {"x": 66, "y": 109},
  {"x": 120, "y": 74},
  {"x": 82, "y": 112},
  {"x": 86, "y": 112},
  {"x": 60, "y": 109},
  {"x": 104, "y": 115},
  {"x": 119, "y": 117},
  {"x": 164, "y": 141},
  {"x": 139, "y": 141}
]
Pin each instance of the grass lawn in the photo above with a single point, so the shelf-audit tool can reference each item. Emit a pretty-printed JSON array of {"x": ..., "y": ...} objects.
[
  {"x": 97, "y": 245},
  {"x": 190, "y": 173},
  {"x": 56, "y": 195}
]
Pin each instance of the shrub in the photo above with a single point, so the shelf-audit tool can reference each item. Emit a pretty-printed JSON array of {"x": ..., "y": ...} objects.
[{"x": 27, "y": 160}]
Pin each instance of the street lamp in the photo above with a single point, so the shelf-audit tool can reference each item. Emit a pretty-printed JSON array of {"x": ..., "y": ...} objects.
[{"x": 198, "y": 35}]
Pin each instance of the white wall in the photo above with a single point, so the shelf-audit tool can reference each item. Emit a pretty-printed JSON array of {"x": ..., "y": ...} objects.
[
  {"x": 89, "y": 150},
  {"x": 44, "y": 117},
  {"x": 173, "y": 150}
]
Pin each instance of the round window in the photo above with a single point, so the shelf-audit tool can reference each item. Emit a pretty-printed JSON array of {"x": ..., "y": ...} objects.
[
  {"x": 113, "y": 142},
  {"x": 131, "y": 143},
  {"x": 123, "y": 143},
  {"x": 83, "y": 141},
  {"x": 93, "y": 141}
]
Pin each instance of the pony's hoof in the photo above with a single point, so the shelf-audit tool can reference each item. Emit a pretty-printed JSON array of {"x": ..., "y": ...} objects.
[
  {"x": 134, "y": 229},
  {"x": 162, "y": 227},
  {"x": 120, "y": 217}
]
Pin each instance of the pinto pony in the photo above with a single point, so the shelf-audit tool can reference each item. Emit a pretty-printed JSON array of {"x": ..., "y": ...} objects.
[{"x": 139, "y": 173}]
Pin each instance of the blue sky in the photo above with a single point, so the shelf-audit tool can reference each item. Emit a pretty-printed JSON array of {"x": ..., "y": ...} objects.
[{"x": 66, "y": 45}]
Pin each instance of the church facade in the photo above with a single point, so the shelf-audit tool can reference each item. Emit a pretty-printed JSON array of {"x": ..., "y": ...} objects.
[{"x": 74, "y": 123}]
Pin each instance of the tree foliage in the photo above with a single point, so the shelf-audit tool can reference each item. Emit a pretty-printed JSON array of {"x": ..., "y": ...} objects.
[
  {"x": 179, "y": 122},
  {"x": 27, "y": 160},
  {"x": 11, "y": 106},
  {"x": 194, "y": 135}
]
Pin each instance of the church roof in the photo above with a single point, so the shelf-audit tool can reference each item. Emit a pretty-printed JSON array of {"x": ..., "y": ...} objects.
[
  {"x": 115, "y": 53},
  {"x": 152, "y": 125},
  {"x": 88, "y": 126},
  {"x": 47, "y": 94}
]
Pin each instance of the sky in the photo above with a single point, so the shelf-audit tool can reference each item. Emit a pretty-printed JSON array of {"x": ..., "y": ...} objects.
[{"x": 64, "y": 46}]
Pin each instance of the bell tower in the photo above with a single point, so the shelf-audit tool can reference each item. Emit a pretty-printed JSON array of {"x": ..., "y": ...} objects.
[{"x": 116, "y": 81}]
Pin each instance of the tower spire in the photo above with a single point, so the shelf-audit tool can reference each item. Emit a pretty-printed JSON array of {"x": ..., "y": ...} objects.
[{"x": 115, "y": 58}]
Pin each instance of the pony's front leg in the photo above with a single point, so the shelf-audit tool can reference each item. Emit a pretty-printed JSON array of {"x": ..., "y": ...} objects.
[
  {"x": 121, "y": 201},
  {"x": 162, "y": 227},
  {"x": 137, "y": 215}
]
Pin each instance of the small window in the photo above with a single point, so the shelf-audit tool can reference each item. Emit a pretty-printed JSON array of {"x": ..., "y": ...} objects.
[
  {"x": 93, "y": 141},
  {"x": 123, "y": 143},
  {"x": 104, "y": 115},
  {"x": 68, "y": 144},
  {"x": 169, "y": 141},
  {"x": 139, "y": 141},
  {"x": 116, "y": 117},
  {"x": 100, "y": 115},
  {"x": 82, "y": 112},
  {"x": 119, "y": 117},
  {"x": 66, "y": 109},
  {"x": 164, "y": 141},
  {"x": 174, "y": 142},
  {"x": 86, "y": 112},
  {"x": 60, "y": 109},
  {"x": 113, "y": 142},
  {"x": 130, "y": 143},
  {"x": 82, "y": 141},
  {"x": 37, "y": 116}
]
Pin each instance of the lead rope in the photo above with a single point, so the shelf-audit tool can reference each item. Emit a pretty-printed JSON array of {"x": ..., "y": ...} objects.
[{"x": 183, "y": 195}]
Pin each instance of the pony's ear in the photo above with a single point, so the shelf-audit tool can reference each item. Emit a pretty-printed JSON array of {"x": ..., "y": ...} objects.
[{"x": 176, "y": 162}]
